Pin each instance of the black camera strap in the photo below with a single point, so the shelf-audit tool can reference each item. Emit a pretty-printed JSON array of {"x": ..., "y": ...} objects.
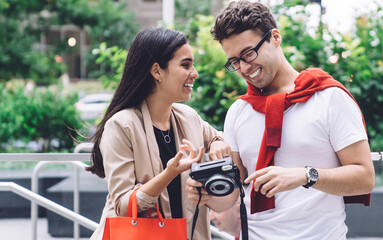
[
  {"x": 196, "y": 212},
  {"x": 242, "y": 210}
]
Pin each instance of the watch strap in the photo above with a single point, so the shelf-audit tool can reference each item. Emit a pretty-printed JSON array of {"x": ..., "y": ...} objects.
[{"x": 309, "y": 184}]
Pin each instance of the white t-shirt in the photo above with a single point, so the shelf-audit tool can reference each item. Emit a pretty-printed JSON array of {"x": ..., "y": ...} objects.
[{"x": 311, "y": 134}]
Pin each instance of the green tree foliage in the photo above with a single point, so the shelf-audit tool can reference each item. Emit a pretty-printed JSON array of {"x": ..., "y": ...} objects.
[
  {"x": 363, "y": 69},
  {"x": 18, "y": 58},
  {"x": 112, "y": 58},
  {"x": 23, "y": 23},
  {"x": 42, "y": 114},
  {"x": 187, "y": 9},
  {"x": 105, "y": 20}
]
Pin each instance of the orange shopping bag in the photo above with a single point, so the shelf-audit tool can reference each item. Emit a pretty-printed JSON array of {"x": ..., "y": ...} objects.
[{"x": 132, "y": 228}]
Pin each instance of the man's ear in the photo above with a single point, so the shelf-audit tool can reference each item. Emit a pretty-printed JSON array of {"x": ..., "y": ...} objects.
[
  {"x": 155, "y": 71},
  {"x": 276, "y": 36}
]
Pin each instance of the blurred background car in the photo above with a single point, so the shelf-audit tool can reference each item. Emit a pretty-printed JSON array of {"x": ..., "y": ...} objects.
[{"x": 93, "y": 106}]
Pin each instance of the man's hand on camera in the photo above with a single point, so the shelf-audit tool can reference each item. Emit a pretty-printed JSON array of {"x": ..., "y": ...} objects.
[
  {"x": 193, "y": 195},
  {"x": 272, "y": 180},
  {"x": 219, "y": 150}
]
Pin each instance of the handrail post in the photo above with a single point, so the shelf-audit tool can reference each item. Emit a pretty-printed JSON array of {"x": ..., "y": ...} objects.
[
  {"x": 34, "y": 208},
  {"x": 76, "y": 203},
  {"x": 34, "y": 188},
  {"x": 86, "y": 147}
]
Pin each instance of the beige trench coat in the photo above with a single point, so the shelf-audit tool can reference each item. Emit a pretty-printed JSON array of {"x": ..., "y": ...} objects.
[{"x": 131, "y": 158}]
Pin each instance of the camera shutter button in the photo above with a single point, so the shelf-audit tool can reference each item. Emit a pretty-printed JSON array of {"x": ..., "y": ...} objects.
[{"x": 227, "y": 167}]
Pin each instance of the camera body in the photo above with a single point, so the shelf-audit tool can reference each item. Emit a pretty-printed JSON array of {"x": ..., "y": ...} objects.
[{"x": 218, "y": 177}]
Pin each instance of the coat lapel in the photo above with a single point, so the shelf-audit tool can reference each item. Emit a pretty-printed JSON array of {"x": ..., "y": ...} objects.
[
  {"x": 155, "y": 156},
  {"x": 179, "y": 132},
  {"x": 151, "y": 140}
]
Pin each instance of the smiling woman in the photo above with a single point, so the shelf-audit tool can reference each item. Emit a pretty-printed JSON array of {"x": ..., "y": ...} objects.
[{"x": 141, "y": 140}]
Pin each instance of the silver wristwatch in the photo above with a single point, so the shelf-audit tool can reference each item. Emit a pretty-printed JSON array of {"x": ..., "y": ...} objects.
[{"x": 312, "y": 176}]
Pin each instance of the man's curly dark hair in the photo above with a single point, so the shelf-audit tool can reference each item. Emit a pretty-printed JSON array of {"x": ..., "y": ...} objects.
[{"x": 241, "y": 16}]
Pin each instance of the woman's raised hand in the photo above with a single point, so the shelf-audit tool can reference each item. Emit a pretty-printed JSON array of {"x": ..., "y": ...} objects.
[{"x": 179, "y": 164}]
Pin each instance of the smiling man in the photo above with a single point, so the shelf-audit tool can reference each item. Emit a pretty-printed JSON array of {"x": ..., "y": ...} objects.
[{"x": 303, "y": 173}]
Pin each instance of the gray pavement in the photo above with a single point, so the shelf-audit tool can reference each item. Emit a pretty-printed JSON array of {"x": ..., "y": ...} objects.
[{"x": 21, "y": 229}]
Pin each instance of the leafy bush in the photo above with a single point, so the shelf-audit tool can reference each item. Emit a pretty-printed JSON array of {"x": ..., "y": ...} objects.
[{"x": 42, "y": 114}]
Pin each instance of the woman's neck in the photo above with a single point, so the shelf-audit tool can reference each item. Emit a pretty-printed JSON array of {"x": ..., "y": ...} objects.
[{"x": 159, "y": 112}]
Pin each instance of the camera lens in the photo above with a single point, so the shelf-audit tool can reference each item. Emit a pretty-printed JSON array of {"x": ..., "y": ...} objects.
[{"x": 219, "y": 185}]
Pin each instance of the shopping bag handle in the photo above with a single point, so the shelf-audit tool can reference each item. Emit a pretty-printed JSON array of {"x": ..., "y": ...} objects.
[{"x": 132, "y": 208}]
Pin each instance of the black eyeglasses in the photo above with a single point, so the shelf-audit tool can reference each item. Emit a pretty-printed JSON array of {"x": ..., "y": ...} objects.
[{"x": 248, "y": 56}]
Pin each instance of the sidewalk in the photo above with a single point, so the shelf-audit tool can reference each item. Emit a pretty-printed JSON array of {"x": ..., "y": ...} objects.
[{"x": 21, "y": 229}]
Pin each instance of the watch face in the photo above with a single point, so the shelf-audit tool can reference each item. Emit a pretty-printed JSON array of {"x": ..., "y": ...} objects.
[{"x": 313, "y": 174}]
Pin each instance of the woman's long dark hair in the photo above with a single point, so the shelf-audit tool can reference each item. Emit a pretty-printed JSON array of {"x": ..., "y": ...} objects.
[{"x": 149, "y": 46}]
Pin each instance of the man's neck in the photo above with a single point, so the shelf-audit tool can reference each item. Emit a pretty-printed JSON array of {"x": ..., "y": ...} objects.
[{"x": 283, "y": 82}]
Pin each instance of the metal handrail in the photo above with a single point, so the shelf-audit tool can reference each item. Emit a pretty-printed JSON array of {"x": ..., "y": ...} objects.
[
  {"x": 67, "y": 158},
  {"x": 76, "y": 197},
  {"x": 30, "y": 157},
  {"x": 42, "y": 201},
  {"x": 376, "y": 156}
]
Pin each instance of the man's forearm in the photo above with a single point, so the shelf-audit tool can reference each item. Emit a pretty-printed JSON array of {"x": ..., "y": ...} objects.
[{"x": 346, "y": 180}]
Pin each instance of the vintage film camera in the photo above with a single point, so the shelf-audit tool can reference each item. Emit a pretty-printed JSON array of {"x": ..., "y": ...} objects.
[{"x": 218, "y": 177}]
